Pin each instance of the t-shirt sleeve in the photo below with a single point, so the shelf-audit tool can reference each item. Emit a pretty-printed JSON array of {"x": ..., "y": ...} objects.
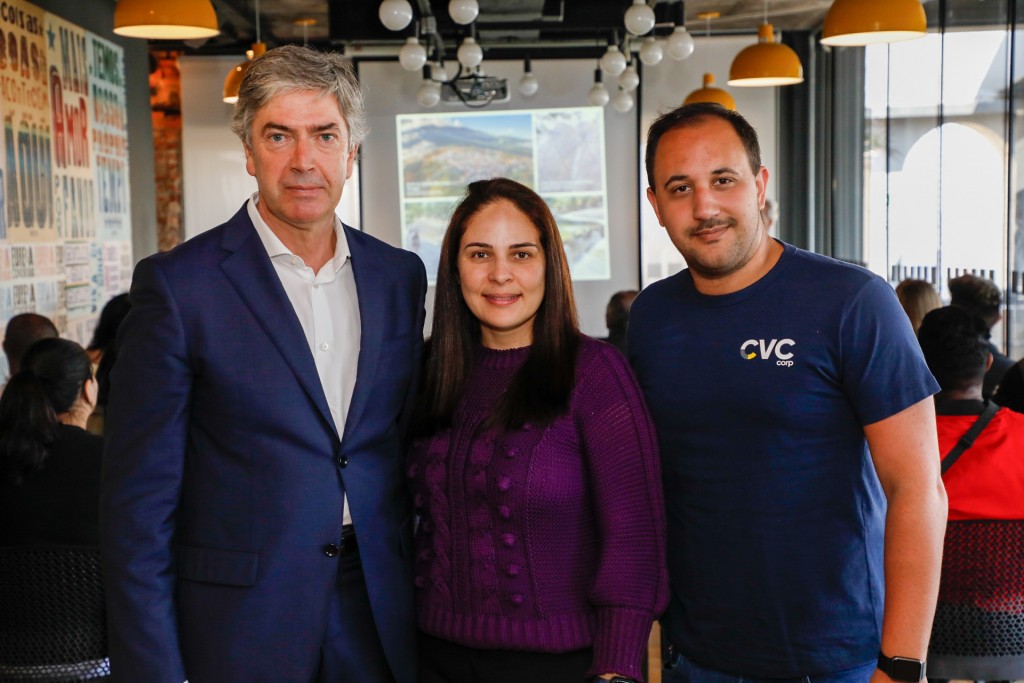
[{"x": 883, "y": 369}]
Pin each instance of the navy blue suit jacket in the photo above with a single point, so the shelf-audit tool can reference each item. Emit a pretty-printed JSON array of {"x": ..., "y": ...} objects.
[{"x": 224, "y": 474}]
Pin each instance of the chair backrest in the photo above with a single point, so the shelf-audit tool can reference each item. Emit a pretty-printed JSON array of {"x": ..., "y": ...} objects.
[
  {"x": 52, "y": 614},
  {"x": 979, "y": 620}
]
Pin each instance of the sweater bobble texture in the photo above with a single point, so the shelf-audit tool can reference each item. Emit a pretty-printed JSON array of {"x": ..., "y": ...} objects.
[{"x": 548, "y": 538}]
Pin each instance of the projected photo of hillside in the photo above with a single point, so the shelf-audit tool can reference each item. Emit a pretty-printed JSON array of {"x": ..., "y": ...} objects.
[
  {"x": 442, "y": 154},
  {"x": 557, "y": 152},
  {"x": 425, "y": 223},
  {"x": 569, "y": 150},
  {"x": 581, "y": 222}
]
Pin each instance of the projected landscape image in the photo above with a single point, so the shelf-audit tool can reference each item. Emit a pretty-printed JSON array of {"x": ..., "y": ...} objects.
[{"x": 557, "y": 152}]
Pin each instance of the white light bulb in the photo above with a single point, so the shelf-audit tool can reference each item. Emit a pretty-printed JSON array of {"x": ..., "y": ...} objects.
[
  {"x": 613, "y": 62},
  {"x": 597, "y": 96},
  {"x": 470, "y": 53},
  {"x": 528, "y": 85},
  {"x": 629, "y": 79},
  {"x": 651, "y": 52},
  {"x": 429, "y": 94},
  {"x": 639, "y": 18},
  {"x": 412, "y": 56},
  {"x": 463, "y": 11},
  {"x": 622, "y": 101},
  {"x": 395, "y": 14},
  {"x": 680, "y": 43}
]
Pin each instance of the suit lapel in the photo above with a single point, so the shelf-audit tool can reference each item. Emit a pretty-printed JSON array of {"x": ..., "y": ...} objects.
[
  {"x": 249, "y": 269},
  {"x": 372, "y": 305}
]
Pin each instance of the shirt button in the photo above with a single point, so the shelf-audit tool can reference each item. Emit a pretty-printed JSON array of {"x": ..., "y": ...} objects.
[
  {"x": 504, "y": 483},
  {"x": 316, "y": 285},
  {"x": 331, "y": 550},
  {"x": 324, "y": 346},
  {"x": 513, "y": 570},
  {"x": 508, "y": 540},
  {"x": 342, "y": 461},
  {"x": 517, "y": 598},
  {"x": 505, "y": 511}
]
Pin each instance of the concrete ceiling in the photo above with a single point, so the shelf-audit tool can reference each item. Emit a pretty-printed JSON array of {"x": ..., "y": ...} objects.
[{"x": 503, "y": 24}]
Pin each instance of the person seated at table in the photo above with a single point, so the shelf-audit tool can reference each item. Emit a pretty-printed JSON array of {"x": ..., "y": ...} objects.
[{"x": 49, "y": 463}]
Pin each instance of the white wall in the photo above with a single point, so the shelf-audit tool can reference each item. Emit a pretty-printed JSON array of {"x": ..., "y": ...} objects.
[{"x": 216, "y": 184}]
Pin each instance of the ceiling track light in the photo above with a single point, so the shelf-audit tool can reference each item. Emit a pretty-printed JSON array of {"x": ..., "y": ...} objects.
[
  {"x": 868, "y": 22},
  {"x": 766, "y": 63}
]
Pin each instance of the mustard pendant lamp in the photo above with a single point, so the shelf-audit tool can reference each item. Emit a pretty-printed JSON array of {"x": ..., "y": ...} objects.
[
  {"x": 165, "y": 19},
  {"x": 766, "y": 63},
  {"x": 867, "y": 22},
  {"x": 709, "y": 93},
  {"x": 234, "y": 78}
]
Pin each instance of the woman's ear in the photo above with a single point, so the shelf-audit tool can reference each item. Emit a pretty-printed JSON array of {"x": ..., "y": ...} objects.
[{"x": 90, "y": 390}]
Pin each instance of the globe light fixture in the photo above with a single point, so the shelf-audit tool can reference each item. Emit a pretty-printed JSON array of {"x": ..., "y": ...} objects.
[
  {"x": 528, "y": 85},
  {"x": 623, "y": 101},
  {"x": 680, "y": 43},
  {"x": 651, "y": 52},
  {"x": 639, "y": 18},
  {"x": 598, "y": 95},
  {"x": 413, "y": 55},
  {"x": 470, "y": 54},
  {"x": 429, "y": 93},
  {"x": 630, "y": 79},
  {"x": 395, "y": 14},
  {"x": 463, "y": 11},
  {"x": 613, "y": 62}
]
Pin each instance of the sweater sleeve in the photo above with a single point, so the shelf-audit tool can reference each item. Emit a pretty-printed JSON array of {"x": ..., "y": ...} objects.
[{"x": 630, "y": 584}]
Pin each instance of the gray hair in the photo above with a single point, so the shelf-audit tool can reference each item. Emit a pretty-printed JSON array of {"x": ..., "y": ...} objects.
[{"x": 291, "y": 68}]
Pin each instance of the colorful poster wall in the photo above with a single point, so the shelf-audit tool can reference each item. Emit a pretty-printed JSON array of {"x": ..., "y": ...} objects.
[{"x": 65, "y": 233}]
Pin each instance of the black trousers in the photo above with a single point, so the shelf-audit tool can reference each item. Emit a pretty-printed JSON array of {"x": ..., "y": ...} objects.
[{"x": 442, "y": 661}]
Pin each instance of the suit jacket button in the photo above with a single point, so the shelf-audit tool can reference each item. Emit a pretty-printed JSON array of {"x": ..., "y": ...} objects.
[
  {"x": 331, "y": 550},
  {"x": 342, "y": 461}
]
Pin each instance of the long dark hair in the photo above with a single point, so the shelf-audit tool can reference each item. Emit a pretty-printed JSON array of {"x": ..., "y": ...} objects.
[
  {"x": 53, "y": 372},
  {"x": 541, "y": 389}
]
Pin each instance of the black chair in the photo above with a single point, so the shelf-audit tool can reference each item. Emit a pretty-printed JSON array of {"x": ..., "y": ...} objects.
[
  {"x": 52, "y": 616},
  {"x": 979, "y": 621}
]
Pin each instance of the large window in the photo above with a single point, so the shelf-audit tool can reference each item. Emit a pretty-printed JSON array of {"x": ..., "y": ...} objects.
[{"x": 941, "y": 176}]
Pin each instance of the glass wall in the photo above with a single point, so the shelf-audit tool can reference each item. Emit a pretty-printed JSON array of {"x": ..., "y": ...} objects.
[{"x": 942, "y": 155}]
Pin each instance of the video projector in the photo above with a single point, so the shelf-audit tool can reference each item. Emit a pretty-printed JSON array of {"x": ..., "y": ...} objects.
[{"x": 475, "y": 89}]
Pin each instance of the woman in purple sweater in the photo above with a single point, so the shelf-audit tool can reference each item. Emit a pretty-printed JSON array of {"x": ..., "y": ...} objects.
[{"x": 540, "y": 552}]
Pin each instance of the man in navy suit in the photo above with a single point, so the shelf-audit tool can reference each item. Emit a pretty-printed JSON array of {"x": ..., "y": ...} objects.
[{"x": 255, "y": 522}]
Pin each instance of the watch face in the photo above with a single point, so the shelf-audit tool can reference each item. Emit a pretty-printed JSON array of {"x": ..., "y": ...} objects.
[{"x": 910, "y": 670}]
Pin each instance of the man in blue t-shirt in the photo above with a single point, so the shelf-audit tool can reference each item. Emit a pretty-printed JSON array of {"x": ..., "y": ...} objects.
[{"x": 797, "y": 432}]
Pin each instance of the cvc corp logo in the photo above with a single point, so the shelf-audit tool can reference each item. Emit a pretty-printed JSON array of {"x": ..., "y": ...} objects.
[{"x": 752, "y": 348}]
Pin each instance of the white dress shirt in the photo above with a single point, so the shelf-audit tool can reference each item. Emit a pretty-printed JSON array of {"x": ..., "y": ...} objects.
[{"x": 328, "y": 310}]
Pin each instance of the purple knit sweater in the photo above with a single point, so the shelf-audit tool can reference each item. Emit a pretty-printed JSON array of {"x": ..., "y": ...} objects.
[{"x": 550, "y": 538}]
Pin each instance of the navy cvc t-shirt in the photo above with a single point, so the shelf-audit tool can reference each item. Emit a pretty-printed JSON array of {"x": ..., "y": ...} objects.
[{"x": 775, "y": 513}]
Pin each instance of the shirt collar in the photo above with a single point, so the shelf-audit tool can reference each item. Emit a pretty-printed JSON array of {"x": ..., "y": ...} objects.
[{"x": 275, "y": 247}]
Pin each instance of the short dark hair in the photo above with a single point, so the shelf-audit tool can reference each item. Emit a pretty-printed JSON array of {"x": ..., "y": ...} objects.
[
  {"x": 111, "y": 317},
  {"x": 978, "y": 295},
  {"x": 616, "y": 314},
  {"x": 543, "y": 385},
  {"x": 953, "y": 341},
  {"x": 24, "y": 330},
  {"x": 692, "y": 114}
]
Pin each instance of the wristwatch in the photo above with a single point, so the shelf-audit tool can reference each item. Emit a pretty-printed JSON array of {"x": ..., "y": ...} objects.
[{"x": 903, "y": 669}]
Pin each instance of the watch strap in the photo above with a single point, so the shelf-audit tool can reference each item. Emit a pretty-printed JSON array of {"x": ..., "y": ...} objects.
[{"x": 902, "y": 669}]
